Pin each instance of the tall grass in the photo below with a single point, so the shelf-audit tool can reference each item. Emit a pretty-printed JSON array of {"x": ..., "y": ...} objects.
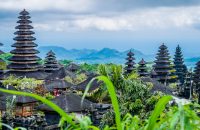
[
  {"x": 112, "y": 93},
  {"x": 128, "y": 123},
  {"x": 160, "y": 106}
]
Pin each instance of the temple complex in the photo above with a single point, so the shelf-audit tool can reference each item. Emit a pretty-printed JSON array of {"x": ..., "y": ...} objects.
[{"x": 65, "y": 84}]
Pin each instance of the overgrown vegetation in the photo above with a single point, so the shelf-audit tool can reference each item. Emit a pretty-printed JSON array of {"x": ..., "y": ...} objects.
[
  {"x": 76, "y": 80},
  {"x": 21, "y": 83},
  {"x": 65, "y": 62},
  {"x": 89, "y": 67},
  {"x": 171, "y": 118},
  {"x": 5, "y": 57},
  {"x": 133, "y": 95}
]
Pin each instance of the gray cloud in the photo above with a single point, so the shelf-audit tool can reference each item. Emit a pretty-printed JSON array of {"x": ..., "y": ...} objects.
[
  {"x": 88, "y": 6},
  {"x": 120, "y": 5},
  {"x": 104, "y": 15}
]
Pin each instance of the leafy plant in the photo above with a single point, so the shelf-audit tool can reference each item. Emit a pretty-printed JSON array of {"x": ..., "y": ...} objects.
[
  {"x": 178, "y": 117},
  {"x": 6, "y": 56},
  {"x": 21, "y": 83},
  {"x": 133, "y": 95},
  {"x": 89, "y": 67},
  {"x": 76, "y": 80},
  {"x": 65, "y": 62}
]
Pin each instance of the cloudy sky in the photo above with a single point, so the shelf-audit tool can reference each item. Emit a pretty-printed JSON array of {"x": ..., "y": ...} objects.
[{"x": 118, "y": 24}]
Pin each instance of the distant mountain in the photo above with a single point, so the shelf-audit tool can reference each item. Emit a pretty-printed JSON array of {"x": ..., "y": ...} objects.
[
  {"x": 63, "y": 53},
  {"x": 192, "y": 61},
  {"x": 102, "y": 54},
  {"x": 105, "y": 55}
]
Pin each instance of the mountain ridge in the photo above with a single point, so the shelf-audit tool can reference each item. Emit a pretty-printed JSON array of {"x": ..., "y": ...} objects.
[{"x": 105, "y": 55}]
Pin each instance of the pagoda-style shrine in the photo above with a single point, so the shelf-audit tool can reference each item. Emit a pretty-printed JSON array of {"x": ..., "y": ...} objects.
[
  {"x": 153, "y": 73},
  {"x": 51, "y": 64},
  {"x": 130, "y": 62},
  {"x": 162, "y": 65},
  {"x": 179, "y": 65},
  {"x": 142, "y": 69},
  {"x": 72, "y": 67},
  {"x": 24, "y": 62}
]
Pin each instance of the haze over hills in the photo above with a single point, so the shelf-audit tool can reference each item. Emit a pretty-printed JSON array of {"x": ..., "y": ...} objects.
[{"x": 105, "y": 55}]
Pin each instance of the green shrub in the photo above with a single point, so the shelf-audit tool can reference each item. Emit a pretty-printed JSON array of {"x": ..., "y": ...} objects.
[{"x": 180, "y": 117}]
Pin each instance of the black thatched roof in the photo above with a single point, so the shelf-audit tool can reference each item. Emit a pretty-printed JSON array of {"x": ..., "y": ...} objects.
[
  {"x": 4, "y": 95},
  {"x": 21, "y": 62},
  {"x": 157, "y": 86},
  {"x": 69, "y": 102},
  {"x": 34, "y": 74},
  {"x": 102, "y": 106},
  {"x": 50, "y": 85},
  {"x": 23, "y": 100},
  {"x": 2, "y": 105},
  {"x": 95, "y": 84},
  {"x": 60, "y": 74},
  {"x": 73, "y": 67}
]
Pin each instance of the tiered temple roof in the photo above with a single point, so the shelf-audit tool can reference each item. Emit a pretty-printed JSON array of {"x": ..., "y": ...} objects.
[
  {"x": 51, "y": 64},
  {"x": 130, "y": 62},
  {"x": 60, "y": 74},
  {"x": 157, "y": 86},
  {"x": 69, "y": 102},
  {"x": 179, "y": 64},
  {"x": 51, "y": 85},
  {"x": 162, "y": 64},
  {"x": 95, "y": 85},
  {"x": 24, "y": 61},
  {"x": 142, "y": 69},
  {"x": 73, "y": 67}
]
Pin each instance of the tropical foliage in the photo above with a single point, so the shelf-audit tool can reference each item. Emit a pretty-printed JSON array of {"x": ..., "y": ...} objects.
[
  {"x": 133, "y": 95},
  {"x": 76, "y": 80},
  {"x": 65, "y": 62},
  {"x": 89, "y": 67},
  {"x": 6, "y": 56},
  {"x": 162, "y": 118},
  {"x": 21, "y": 83}
]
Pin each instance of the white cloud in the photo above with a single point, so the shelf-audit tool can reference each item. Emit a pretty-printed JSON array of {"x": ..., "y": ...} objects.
[
  {"x": 153, "y": 18},
  {"x": 132, "y": 20},
  {"x": 49, "y": 5}
]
